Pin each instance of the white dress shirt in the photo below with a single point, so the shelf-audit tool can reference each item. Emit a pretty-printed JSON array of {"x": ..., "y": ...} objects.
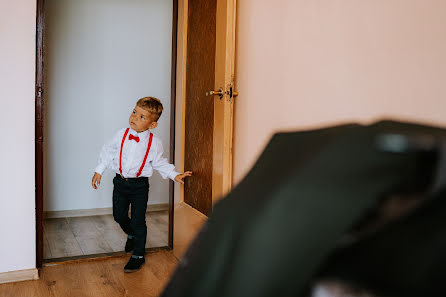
[{"x": 133, "y": 156}]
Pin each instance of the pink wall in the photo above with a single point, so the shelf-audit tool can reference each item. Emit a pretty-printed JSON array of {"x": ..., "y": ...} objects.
[{"x": 303, "y": 64}]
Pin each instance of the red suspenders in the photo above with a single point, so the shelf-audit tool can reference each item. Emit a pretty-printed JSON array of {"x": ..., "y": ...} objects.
[
  {"x": 145, "y": 157},
  {"x": 120, "y": 153}
]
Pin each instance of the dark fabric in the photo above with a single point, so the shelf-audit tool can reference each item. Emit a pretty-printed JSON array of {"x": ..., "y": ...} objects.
[
  {"x": 407, "y": 258},
  {"x": 287, "y": 222},
  {"x": 134, "y": 192}
]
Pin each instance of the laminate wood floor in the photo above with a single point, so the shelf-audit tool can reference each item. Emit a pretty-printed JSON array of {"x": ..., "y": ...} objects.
[
  {"x": 98, "y": 278},
  {"x": 79, "y": 236}
]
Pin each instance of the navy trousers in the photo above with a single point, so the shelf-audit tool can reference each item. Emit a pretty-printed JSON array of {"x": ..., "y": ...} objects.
[{"x": 134, "y": 192}]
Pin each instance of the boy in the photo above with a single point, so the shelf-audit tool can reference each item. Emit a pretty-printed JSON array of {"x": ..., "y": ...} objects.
[{"x": 133, "y": 153}]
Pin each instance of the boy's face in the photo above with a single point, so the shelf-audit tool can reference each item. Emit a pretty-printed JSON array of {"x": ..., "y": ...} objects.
[{"x": 141, "y": 120}]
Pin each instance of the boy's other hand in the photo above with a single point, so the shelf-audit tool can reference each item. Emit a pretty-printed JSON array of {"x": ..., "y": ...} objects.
[
  {"x": 180, "y": 177},
  {"x": 96, "y": 180}
]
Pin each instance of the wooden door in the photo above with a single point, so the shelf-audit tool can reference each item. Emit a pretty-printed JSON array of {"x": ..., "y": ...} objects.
[
  {"x": 199, "y": 109},
  {"x": 209, "y": 118}
]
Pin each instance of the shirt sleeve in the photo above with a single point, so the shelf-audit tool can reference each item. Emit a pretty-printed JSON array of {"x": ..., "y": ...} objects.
[
  {"x": 108, "y": 153},
  {"x": 161, "y": 164}
]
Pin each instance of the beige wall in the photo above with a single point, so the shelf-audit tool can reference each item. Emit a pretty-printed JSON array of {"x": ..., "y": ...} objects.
[
  {"x": 116, "y": 62},
  {"x": 17, "y": 80},
  {"x": 302, "y": 64}
]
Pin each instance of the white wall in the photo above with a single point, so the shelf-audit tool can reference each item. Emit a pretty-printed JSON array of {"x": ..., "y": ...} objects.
[
  {"x": 308, "y": 63},
  {"x": 17, "y": 79},
  {"x": 101, "y": 57}
]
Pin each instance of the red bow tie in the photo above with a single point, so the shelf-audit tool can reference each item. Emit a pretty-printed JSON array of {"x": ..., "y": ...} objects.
[{"x": 135, "y": 138}]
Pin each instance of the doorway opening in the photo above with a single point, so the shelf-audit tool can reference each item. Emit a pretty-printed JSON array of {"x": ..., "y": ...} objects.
[{"x": 95, "y": 59}]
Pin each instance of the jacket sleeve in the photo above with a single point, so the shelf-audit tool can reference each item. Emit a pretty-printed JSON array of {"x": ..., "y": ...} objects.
[
  {"x": 161, "y": 164},
  {"x": 108, "y": 153}
]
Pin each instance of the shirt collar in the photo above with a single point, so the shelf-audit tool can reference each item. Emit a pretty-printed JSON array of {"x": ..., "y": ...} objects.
[{"x": 140, "y": 134}]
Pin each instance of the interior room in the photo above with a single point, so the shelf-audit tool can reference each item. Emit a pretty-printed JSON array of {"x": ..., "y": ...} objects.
[
  {"x": 100, "y": 58},
  {"x": 272, "y": 67}
]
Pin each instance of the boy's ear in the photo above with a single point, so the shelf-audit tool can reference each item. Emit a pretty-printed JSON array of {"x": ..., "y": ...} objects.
[{"x": 153, "y": 125}]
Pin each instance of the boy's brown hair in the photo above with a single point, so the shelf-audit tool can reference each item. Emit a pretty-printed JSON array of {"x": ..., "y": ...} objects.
[{"x": 152, "y": 105}]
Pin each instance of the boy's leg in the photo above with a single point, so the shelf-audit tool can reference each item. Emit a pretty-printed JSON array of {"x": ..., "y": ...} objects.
[
  {"x": 139, "y": 200},
  {"x": 121, "y": 205}
]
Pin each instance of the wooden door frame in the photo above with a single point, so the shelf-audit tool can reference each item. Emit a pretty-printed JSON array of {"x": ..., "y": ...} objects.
[
  {"x": 39, "y": 137},
  {"x": 224, "y": 109}
]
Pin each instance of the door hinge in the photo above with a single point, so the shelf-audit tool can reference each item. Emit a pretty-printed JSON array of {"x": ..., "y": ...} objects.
[{"x": 39, "y": 91}]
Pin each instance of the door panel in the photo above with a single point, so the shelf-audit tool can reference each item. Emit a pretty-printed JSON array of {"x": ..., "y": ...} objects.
[{"x": 199, "y": 117}]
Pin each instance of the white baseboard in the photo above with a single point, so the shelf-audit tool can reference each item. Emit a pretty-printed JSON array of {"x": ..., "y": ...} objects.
[
  {"x": 95, "y": 211},
  {"x": 19, "y": 275}
]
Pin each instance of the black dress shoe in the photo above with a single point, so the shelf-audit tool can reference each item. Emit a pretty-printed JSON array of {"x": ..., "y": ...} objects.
[
  {"x": 128, "y": 245},
  {"x": 134, "y": 264}
]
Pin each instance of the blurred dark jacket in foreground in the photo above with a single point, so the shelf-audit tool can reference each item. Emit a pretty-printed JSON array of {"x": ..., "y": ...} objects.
[{"x": 363, "y": 205}]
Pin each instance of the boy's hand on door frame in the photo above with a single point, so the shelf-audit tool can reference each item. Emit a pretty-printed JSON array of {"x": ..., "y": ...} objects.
[
  {"x": 96, "y": 180},
  {"x": 180, "y": 177}
]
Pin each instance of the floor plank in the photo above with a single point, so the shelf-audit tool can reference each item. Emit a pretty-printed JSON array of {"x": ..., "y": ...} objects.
[
  {"x": 157, "y": 229},
  {"x": 91, "y": 244},
  {"x": 187, "y": 224},
  {"x": 78, "y": 236},
  {"x": 116, "y": 240},
  {"x": 46, "y": 249},
  {"x": 105, "y": 223},
  {"x": 98, "y": 278},
  {"x": 63, "y": 244},
  {"x": 56, "y": 225},
  {"x": 83, "y": 226}
]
